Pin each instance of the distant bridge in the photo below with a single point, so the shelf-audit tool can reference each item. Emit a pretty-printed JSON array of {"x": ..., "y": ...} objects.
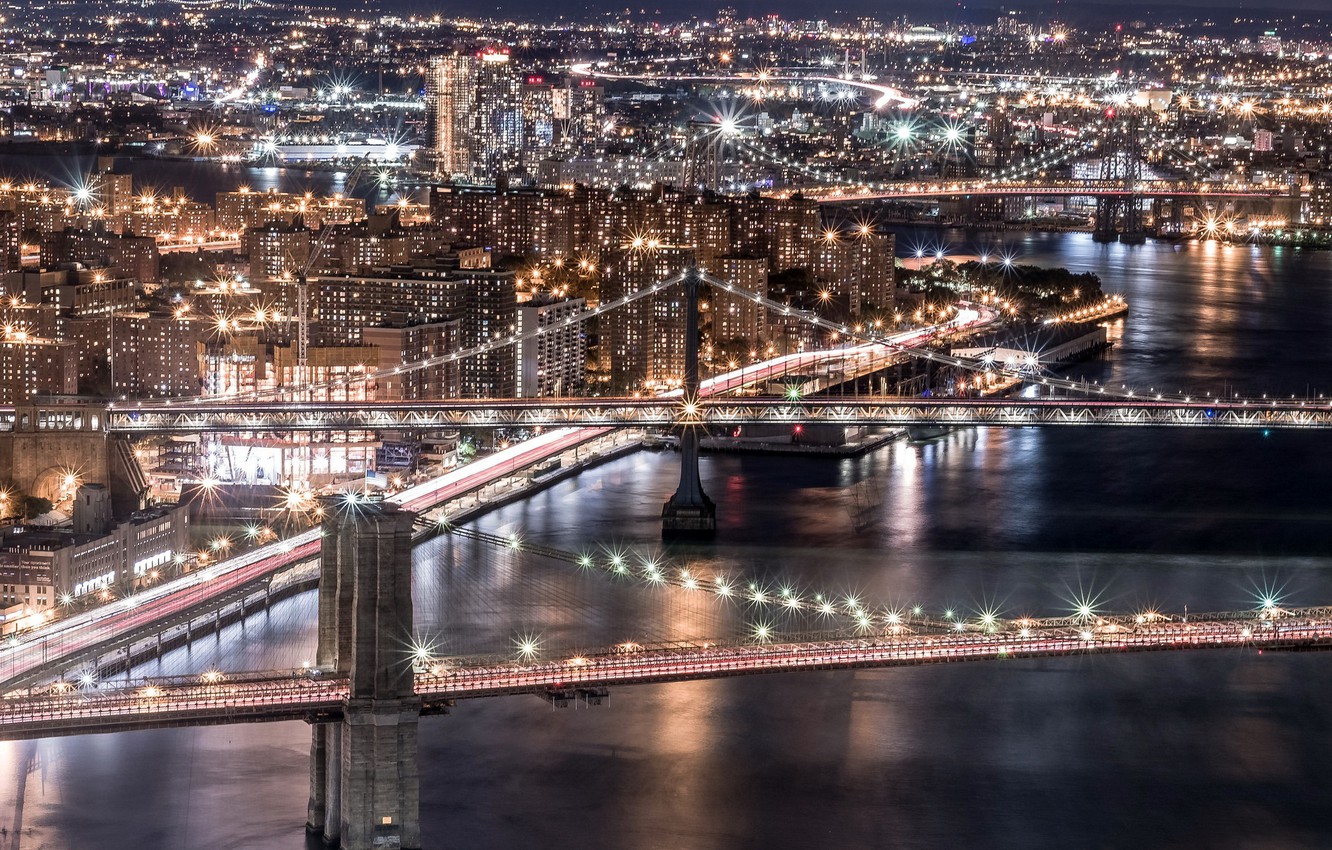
[{"x": 1065, "y": 189}]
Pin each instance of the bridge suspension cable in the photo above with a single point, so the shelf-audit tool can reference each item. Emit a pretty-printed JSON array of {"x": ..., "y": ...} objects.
[
  {"x": 483, "y": 593},
  {"x": 653, "y": 570}
]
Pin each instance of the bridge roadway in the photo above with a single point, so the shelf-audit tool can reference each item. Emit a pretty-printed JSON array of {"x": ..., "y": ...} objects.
[
  {"x": 194, "y": 247},
  {"x": 721, "y": 413},
  {"x": 213, "y": 698}
]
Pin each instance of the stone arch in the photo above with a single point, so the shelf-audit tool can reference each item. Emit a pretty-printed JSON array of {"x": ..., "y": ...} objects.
[{"x": 57, "y": 483}]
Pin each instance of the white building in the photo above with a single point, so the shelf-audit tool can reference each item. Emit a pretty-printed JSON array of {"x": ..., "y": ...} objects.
[{"x": 554, "y": 363}]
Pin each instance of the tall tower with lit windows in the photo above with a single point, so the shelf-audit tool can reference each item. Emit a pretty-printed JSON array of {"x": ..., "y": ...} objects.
[{"x": 451, "y": 97}]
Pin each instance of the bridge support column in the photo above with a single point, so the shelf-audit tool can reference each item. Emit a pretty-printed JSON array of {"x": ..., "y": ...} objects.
[
  {"x": 1133, "y": 233},
  {"x": 317, "y": 807},
  {"x": 380, "y": 777},
  {"x": 689, "y": 513},
  {"x": 1107, "y": 215},
  {"x": 333, "y": 786},
  {"x": 371, "y": 786}
]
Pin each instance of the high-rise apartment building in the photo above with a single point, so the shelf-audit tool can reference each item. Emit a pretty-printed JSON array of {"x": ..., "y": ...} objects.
[
  {"x": 76, "y": 292},
  {"x": 780, "y": 229},
  {"x": 450, "y": 95},
  {"x": 10, "y": 258},
  {"x": 537, "y": 98},
  {"x": 39, "y": 320},
  {"x": 121, "y": 255},
  {"x": 511, "y": 222},
  {"x": 642, "y": 342},
  {"x": 488, "y": 119},
  {"x": 734, "y": 316},
  {"x": 579, "y": 110},
  {"x": 553, "y": 363},
  {"x": 484, "y": 301},
  {"x": 32, "y": 364},
  {"x": 413, "y": 344},
  {"x": 593, "y": 222},
  {"x": 247, "y": 208},
  {"x": 496, "y": 140},
  {"x": 488, "y": 303},
  {"x": 855, "y": 267},
  {"x": 277, "y": 249},
  {"x": 155, "y": 354},
  {"x": 173, "y": 218}
]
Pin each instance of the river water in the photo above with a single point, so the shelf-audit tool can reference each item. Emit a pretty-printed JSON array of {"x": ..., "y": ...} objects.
[
  {"x": 200, "y": 180},
  {"x": 1197, "y": 750}
]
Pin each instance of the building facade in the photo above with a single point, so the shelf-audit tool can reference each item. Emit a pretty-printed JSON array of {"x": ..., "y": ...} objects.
[{"x": 553, "y": 363}]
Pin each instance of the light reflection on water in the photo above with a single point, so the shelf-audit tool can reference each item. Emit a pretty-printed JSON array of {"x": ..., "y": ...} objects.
[{"x": 198, "y": 180}]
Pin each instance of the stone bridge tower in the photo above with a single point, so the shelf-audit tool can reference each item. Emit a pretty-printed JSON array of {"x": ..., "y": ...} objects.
[{"x": 364, "y": 778}]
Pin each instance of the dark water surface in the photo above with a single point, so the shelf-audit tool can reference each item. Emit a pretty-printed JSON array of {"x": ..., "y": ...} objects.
[
  {"x": 1192, "y": 750},
  {"x": 200, "y": 180}
]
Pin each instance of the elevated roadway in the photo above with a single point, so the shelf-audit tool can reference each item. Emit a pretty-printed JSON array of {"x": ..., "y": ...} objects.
[
  {"x": 720, "y": 412},
  {"x": 70, "y": 709},
  {"x": 33, "y": 655}
]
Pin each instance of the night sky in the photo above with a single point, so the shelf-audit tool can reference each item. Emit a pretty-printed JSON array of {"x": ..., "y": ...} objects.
[{"x": 960, "y": 12}]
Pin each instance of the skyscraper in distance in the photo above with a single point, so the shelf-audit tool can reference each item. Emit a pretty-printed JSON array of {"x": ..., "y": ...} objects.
[{"x": 451, "y": 94}]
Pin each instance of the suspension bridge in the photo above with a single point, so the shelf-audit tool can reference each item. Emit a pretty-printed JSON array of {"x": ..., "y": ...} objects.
[
  {"x": 711, "y": 402},
  {"x": 79, "y": 436},
  {"x": 374, "y": 673},
  {"x": 68, "y": 708}
]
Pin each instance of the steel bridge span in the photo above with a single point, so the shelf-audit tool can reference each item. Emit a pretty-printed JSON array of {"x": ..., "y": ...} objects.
[{"x": 221, "y": 416}]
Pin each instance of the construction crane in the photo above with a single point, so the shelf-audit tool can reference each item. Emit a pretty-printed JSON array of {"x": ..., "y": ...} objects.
[{"x": 303, "y": 280}]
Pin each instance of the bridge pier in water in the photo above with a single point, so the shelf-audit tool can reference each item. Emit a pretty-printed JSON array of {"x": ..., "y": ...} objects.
[
  {"x": 364, "y": 777},
  {"x": 689, "y": 513}
]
